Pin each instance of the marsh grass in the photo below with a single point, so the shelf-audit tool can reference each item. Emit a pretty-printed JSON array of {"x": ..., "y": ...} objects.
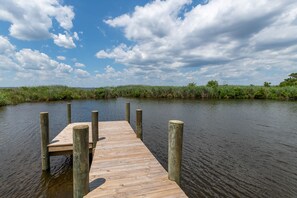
[
  {"x": 208, "y": 92},
  {"x": 56, "y": 93},
  {"x": 48, "y": 93}
]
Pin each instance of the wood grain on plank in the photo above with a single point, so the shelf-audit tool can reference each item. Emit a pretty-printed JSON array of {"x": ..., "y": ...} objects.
[
  {"x": 64, "y": 142},
  {"x": 123, "y": 167}
]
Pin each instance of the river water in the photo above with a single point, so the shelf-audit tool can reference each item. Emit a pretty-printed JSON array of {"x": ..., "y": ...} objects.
[{"x": 233, "y": 148}]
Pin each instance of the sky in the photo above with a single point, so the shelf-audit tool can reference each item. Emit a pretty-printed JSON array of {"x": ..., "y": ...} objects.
[{"x": 170, "y": 42}]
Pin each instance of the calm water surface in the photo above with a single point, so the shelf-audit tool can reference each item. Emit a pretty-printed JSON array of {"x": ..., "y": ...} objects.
[{"x": 231, "y": 148}]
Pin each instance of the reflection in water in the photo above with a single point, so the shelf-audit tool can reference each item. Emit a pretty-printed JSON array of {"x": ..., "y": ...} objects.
[
  {"x": 231, "y": 148},
  {"x": 57, "y": 183}
]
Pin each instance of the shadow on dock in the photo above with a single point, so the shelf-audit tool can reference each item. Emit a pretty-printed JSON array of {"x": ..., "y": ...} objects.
[{"x": 96, "y": 183}]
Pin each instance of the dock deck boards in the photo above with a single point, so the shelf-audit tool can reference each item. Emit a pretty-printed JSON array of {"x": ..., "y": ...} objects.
[
  {"x": 124, "y": 167},
  {"x": 62, "y": 144}
]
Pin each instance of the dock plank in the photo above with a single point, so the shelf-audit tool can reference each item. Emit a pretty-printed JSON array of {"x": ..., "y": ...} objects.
[
  {"x": 122, "y": 165},
  {"x": 125, "y": 167},
  {"x": 63, "y": 142}
]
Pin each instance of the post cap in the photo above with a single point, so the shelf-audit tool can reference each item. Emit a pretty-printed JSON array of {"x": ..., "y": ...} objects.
[
  {"x": 176, "y": 122},
  {"x": 80, "y": 127}
]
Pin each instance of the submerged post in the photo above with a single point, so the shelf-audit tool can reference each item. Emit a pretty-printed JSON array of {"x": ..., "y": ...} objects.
[
  {"x": 139, "y": 124},
  {"x": 175, "y": 144},
  {"x": 128, "y": 112},
  {"x": 69, "y": 112},
  {"x": 44, "y": 129},
  {"x": 95, "y": 132},
  {"x": 80, "y": 160}
]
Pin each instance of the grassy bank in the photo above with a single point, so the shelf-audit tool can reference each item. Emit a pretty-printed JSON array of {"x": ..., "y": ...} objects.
[
  {"x": 206, "y": 92},
  {"x": 56, "y": 93},
  {"x": 49, "y": 93}
]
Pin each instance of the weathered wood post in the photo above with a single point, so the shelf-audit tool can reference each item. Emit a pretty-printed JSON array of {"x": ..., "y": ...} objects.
[
  {"x": 95, "y": 132},
  {"x": 80, "y": 160},
  {"x": 69, "y": 112},
  {"x": 175, "y": 144},
  {"x": 139, "y": 124},
  {"x": 128, "y": 112},
  {"x": 44, "y": 129}
]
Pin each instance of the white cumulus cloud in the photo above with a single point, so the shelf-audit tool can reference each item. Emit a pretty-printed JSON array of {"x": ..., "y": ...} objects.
[
  {"x": 64, "y": 40},
  {"x": 79, "y": 65},
  {"x": 236, "y": 41},
  {"x": 34, "y": 60},
  {"x": 5, "y": 46},
  {"x": 81, "y": 73},
  {"x": 75, "y": 36},
  {"x": 27, "y": 63},
  {"x": 61, "y": 58},
  {"x": 32, "y": 20}
]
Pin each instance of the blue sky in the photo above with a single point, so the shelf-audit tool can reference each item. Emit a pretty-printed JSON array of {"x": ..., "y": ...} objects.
[{"x": 169, "y": 42}]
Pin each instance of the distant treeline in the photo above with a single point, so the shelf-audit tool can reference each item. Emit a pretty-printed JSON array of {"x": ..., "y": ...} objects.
[{"x": 192, "y": 91}]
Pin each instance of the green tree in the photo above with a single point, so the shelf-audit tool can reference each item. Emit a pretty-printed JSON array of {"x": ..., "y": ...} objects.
[
  {"x": 192, "y": 84},
  {"x": 293, "y": 75},
  {"x": 291, "y": 81},
  {"x": 212, "y": 83},
  {"x": 267, "y": 84}
]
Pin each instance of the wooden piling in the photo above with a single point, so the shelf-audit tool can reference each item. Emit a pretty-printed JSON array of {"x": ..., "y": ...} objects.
[
  {"x": 44, "y": 130},
  {"x": 175, "y": 140},
  {"x": 69, "y": 113},
  {"x": 95, "y": 132},
  {"x": 128, "y": 112},
  {"x": 80, "y": 160},
  {"x": 139, "y": 124}
]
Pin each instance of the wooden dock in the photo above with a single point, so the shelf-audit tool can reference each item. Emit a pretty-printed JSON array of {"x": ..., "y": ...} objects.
[
  {"x": 122, "y": 165},
  {"x": 62, "y": 144}
]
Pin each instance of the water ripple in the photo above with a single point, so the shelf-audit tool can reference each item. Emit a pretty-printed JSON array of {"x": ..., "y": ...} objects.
[{"x": 230, "y": 148}]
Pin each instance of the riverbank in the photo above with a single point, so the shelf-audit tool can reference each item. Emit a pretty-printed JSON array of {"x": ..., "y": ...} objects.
[
  {"x": 48, "y": 93},
  {"x": 10, "y": 96}
]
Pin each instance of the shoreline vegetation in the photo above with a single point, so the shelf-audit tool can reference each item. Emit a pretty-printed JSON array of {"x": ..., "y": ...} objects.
[{"x": 11, "y": 96}]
